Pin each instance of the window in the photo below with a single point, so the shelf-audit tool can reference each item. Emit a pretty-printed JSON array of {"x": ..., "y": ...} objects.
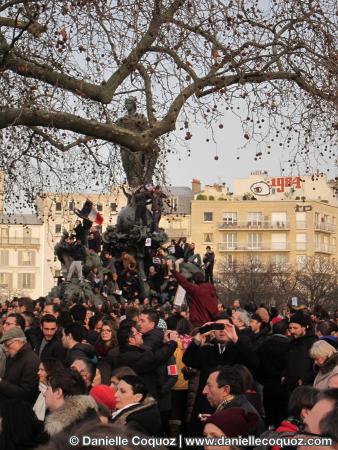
[
  {"x": 4, "y": 257},
  {"x": 279, "y": 260},
  {"x": 230, "y": 218},
  {"x": 6, "y": 280},
  {"x": 229, "y": 261},
  {"x": 58, "y": 206},
  {"x": 301, "y": 241},
  {"x": 26, "y": 280},
  {"x": 254, "y": 219},
  {"x": 113, "y": 207},
  {"x": 208, "y": 217},
  {"x": 99, "y": 207},
  {"x": 278, "y": 219},
  {"x": 58, "y": 228},
  {"x": 254, "y": 259},
  {"x": 208, "y": 237},
  {"x": 230, "y": 240},
  {"x": 71, "y": 206},
  {"x": 4, "y": 234},
  {"x": 278, "y": 241},
  {"x": 255, "y": 240},
  {"x": 301, "y": 261},
  {"x": 26, "y": 258},
  {"x": 300, "y": 219}
]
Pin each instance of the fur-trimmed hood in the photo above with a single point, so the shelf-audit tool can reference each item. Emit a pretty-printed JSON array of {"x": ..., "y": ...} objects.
[
  {"x": 330, "y": 364},
  {"x": 75, "y": 409}
]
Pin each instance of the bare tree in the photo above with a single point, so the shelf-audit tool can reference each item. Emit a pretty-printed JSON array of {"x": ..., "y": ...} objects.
[
  {"x": 66, "y": 66},
  {"x": 251, "y": 282},
  {"x": 318, "y": 282}
]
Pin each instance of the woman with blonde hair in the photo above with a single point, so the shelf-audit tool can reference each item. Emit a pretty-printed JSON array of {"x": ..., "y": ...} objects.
[{"x": 325, "y": 357}]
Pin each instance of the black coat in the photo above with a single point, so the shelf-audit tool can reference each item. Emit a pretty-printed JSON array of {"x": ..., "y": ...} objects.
[
  {"x": 153, "y": 338},
  {"x": 80, "y": 351},
  {"x": 21, "y": 376},
  {"x": 273, "y": 359},
  {"x": 53, "y": 349},
  {"x": 145, "y": 363},
  {"x": 207, "y": 357},
  {"x": 299, "y": 369},
  {"x": 143, "y": 417}
]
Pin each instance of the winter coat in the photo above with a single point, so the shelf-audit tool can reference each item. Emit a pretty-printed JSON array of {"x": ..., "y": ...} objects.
[
  {"x": 299, "y": 369},
  {"x": 326, "y": 371},
  {"x": 147, "y": 363},
  {"x": 242, "y": 402},
  {"x": 166, "y": 383},
  {"x": 76, "y": 410},
  {"x": 258, "y": 339},
  {"x": 153, "y": 338},
  {"x": 143, "y": 417},
  {"x": 21, "y": 376},
  {"x": 272, "y": 359},
  {"x": 80, "y": 351},
  {"x": 53, "y": 349},
  {"x": 203, "y": 304}
]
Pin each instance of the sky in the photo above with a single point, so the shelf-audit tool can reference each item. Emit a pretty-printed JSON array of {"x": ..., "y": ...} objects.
[{"x": 202, "y": 165}]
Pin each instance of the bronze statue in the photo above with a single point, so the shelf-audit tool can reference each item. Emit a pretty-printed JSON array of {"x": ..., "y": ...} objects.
[{"x": 138, "y": 166}]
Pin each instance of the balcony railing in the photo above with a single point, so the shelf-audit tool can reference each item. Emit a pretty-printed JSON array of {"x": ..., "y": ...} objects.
[
  {"x": 19, "y": 241},
  {"x": 325, "y": 248},
  {"x": 323, "y": 226},
  {"x": 270, "y": 246},
  {"x": 254, "y": 225}
]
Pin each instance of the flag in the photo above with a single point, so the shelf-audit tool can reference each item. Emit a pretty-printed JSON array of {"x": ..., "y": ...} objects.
[
  {"x": 172, "y": 370},
  {"x": 89, "y": 212}
]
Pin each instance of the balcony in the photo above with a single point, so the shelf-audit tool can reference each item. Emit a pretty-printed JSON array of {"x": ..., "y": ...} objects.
[
  {"x": 254, "y": 225},
  {"x": 325, "y": 248},
  {"x": 263, "y": 247},
  {"x": 326, "y": 227},
  {"x": 19, "y": 242}
]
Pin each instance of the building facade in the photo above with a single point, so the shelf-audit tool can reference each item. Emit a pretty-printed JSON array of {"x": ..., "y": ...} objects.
[
  {"x": 267, "y": 220},
  {"x": 22, "y": 256}
]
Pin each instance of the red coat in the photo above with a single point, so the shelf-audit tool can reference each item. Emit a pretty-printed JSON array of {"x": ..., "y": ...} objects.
[{"x": 203, "y": 306}]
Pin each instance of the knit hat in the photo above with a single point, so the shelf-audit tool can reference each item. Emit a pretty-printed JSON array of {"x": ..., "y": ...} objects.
[
  {"x": 105, "y": 395},
  {"x": 234, "y": 421},
  {"x": 263, "y": 314},
  {"x": 300, "y": 318},
  {"x": 13, "y": 333}
]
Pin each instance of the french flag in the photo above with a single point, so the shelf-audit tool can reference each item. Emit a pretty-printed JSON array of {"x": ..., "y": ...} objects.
[{"x": 89, "y": 212}]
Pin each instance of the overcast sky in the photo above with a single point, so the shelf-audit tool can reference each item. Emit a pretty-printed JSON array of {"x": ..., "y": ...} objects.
[{"x": 202, "y": 165}]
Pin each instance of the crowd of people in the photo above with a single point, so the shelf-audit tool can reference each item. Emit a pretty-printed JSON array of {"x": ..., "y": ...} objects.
[{"x": 121, "y": 364}]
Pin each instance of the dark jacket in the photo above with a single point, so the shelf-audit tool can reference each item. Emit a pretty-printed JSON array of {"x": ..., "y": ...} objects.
[
  {"x": 273, "y": 359},
  {"x": 80, "y": 351},
  {"x": 21, "y": 376},
  {"x": 258, "y": 339},
  {"x": 53, "y": 349},
  {"x": 143, "y": 417},
  {"x": 145, "y": 362},
  {"x": 203, "y": 304},
  {"x": 299, "y": 369},
  {"x": 242, "y": 402},
  {"x": 76, "y": 410},
  {"x": 77, "y": 251},
  {"x": 153, "y": 338}
]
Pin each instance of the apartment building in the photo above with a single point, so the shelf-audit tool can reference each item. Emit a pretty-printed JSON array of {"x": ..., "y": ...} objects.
[{"x": 267, "y": 219}]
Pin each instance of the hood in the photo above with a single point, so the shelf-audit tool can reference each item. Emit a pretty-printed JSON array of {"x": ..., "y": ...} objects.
[
  {"x": 73, "y": 410},
  {"x": 329, "y": 364}
]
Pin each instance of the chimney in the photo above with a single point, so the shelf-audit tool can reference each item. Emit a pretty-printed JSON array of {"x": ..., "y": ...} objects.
[{"x": 196, "y": 186}]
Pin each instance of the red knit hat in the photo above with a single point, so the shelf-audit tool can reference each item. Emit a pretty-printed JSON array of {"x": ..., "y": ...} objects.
[
  {"x": 234, "y": 421},
  {"x": 105, "y": 395}
]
